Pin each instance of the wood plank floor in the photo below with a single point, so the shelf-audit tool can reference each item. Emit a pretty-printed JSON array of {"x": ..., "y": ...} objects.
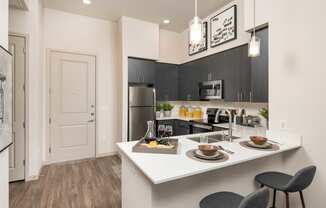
[{"x": 93, "y": 183}]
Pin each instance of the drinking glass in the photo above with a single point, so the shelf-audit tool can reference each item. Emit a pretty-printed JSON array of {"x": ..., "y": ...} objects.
[
  {"x": 161, "y": 130},
  {"x": 204, "y": 140},
  {"x": 169, "y": 130}
]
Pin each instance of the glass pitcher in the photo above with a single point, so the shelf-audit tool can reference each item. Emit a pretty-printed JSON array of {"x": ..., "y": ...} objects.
[{"x": 150, "y": 134}]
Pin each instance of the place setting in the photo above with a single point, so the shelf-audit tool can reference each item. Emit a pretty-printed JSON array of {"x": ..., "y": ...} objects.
[
  {"x": 208, "y": 153},
  {"x": 261, "y": 143}
]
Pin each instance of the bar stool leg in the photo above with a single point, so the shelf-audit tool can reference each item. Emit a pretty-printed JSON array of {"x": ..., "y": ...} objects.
[
  {"x": 274, "y": 198},
  {"x": 287, "y": 199},
  {"x": 302, "y": 200}
]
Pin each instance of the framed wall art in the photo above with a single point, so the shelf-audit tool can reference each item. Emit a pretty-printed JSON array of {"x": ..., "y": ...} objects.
[
  {"x": 223, "y": 27},
  {"x": 197, "y": 48},
  {"x": 5, "y": 99}
]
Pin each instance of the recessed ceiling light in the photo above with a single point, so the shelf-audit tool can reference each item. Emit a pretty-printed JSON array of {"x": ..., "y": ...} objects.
[
  {"x": 166, "y": 21},
  {"x": 87, "y": 2}
]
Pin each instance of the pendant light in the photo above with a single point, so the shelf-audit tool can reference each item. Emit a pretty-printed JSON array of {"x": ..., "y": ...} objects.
[
  {"x": 195, "y": 28},
  {"x": 254, "y": 44}
]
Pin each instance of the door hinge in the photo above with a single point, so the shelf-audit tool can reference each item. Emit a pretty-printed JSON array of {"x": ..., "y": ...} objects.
[
  {"x": 24, "y": 124},
  {"x": 24, "y": 50},
  {"x": 50, "y": 150},
  {"x": 24, "y": 162},
  {"x": 50, "y": 120},
  {"x": 23, "y": 87}
]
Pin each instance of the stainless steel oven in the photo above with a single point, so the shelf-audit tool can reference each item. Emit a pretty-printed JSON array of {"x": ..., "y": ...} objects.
[{"x": 211, "y": 90}]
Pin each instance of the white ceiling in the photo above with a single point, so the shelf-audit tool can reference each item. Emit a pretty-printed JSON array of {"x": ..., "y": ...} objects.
[{"x": 178, "y": 11}]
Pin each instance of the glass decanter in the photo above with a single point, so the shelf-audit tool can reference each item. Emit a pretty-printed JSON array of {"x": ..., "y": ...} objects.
[{"x": 150, "y": 134}]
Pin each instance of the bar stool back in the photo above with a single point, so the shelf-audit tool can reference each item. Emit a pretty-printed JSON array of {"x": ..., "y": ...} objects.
[
  {"x": 258, "y": 199},
  {"x": 287, "y": 183}
]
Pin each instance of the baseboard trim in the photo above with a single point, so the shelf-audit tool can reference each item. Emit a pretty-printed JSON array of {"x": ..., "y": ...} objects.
[
  {"x": 106, "y": 154},
  {"x": 32, "y": 178}
]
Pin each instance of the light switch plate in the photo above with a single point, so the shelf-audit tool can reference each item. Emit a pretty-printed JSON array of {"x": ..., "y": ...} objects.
[{"x": 283, "y": 125}]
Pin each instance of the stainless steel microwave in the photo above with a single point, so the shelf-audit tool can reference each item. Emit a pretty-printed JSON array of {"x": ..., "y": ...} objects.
[{"x": 211, "y": 90}]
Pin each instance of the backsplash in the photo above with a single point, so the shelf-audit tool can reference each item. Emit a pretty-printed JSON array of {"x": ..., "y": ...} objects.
[{"x": 251, "y": 108}]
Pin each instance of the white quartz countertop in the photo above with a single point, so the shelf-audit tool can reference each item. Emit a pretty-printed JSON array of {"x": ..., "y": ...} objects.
[{"x": 160, "y": 168}]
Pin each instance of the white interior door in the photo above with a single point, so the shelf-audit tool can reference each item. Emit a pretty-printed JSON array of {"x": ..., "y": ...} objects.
[
  {"x": 17, "y": 150},
  {"x": 72, "y": 106}
]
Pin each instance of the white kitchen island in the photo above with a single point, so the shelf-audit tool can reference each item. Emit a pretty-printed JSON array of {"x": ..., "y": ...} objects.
[{"x": 176, "y": 181}]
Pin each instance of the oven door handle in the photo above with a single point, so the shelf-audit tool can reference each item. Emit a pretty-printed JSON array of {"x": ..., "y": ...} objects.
[{"x": 201, "y": 126}]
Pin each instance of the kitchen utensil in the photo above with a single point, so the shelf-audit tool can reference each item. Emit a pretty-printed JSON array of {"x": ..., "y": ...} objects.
[{"x": 225, "y": 150}]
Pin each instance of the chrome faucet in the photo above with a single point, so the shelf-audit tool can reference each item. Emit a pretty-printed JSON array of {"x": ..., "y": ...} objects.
[{"x": 230, "y": 137}]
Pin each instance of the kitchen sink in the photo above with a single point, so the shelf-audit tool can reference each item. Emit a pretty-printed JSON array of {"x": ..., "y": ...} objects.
[{"x": 211, "y": 138}]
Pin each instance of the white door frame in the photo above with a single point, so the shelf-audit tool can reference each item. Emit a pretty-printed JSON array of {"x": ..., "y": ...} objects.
[
  {"x": 27, "y": 162},
  {"x": 48, "y": 159}
]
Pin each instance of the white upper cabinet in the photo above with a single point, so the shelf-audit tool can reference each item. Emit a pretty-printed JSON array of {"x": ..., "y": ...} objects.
[
  {"x": 262, "y": 13},
  {"x": 19, "y": 4},
  {"x": 140, "y": 39}
]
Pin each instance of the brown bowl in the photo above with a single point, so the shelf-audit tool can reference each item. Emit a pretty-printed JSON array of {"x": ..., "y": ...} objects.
[
  {"x": 208, "y": 149},
  {"x": 258, "y": 140}
]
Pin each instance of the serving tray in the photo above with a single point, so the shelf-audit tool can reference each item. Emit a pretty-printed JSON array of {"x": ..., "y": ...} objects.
[{"x": 143, "y": 149}]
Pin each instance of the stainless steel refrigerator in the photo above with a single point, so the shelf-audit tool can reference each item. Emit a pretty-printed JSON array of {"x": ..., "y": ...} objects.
[{"x": 141, "y": 109}]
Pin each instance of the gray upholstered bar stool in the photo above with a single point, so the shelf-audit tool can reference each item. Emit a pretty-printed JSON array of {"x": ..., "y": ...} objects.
[
  {"x": 287, "y": 183},
  {"x": 258, "y": 199}
]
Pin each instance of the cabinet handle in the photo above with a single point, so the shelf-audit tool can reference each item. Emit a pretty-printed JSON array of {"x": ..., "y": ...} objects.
[
  {"x": 241, "y": 96},
  {"x": 238, "y": 97},
  {"x": 250, "y": 96}
]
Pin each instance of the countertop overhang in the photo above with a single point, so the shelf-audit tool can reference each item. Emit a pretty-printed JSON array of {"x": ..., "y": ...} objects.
[{"x": 160, "y": 168}]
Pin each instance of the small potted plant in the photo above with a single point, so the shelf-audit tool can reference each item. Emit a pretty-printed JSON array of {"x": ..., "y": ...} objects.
[
  {"x": 159, "y": 109},
  {"x": 167, "y": 108},
  {"x": 264, "y": 113}
]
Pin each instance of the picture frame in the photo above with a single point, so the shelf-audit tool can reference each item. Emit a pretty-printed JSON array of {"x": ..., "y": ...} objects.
[
  {"x": 223, "y": 27},
  {"x": 198, "y": 48},
  {"x": 6, "y": 102}
]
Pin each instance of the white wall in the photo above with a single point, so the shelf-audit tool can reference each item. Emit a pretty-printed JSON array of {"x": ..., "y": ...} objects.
[
  {"x": 297, "y": 83},
  {"x": 76, "y": 33},
  {"x": 31, "y": 23},
  {"x": 4, "y": 160},
  {"x": 242, "y": 36},
  {"x": 137, "y": 39},
  {"x": 263, "y": 11},
  {"x": 170, "y": 45}
]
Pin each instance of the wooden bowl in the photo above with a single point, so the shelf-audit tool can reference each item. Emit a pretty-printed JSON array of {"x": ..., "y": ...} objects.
[
  {"x": 208, "y": 149},
  {"x": 258, "y": 140}
]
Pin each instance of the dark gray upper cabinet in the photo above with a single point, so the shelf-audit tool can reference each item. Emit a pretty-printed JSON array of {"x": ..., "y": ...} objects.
[
  {"x": 166, "y": 82},
  {"x": 141, "y": 71},
  {"x": 242, "y": 74},
  {"x": 259, "y": 70},
  {"x": 245, "y": 79}
]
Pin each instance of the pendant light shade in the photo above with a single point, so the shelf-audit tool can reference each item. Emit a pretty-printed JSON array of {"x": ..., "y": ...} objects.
[
  {"x": 195, "y": 28},
  {"x": 254, "y": 44}
]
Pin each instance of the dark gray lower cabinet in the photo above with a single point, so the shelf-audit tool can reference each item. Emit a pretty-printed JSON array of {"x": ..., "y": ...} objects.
[
  {"x": 166, "y": 82},
  {"x": 179, "y": 127}
]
